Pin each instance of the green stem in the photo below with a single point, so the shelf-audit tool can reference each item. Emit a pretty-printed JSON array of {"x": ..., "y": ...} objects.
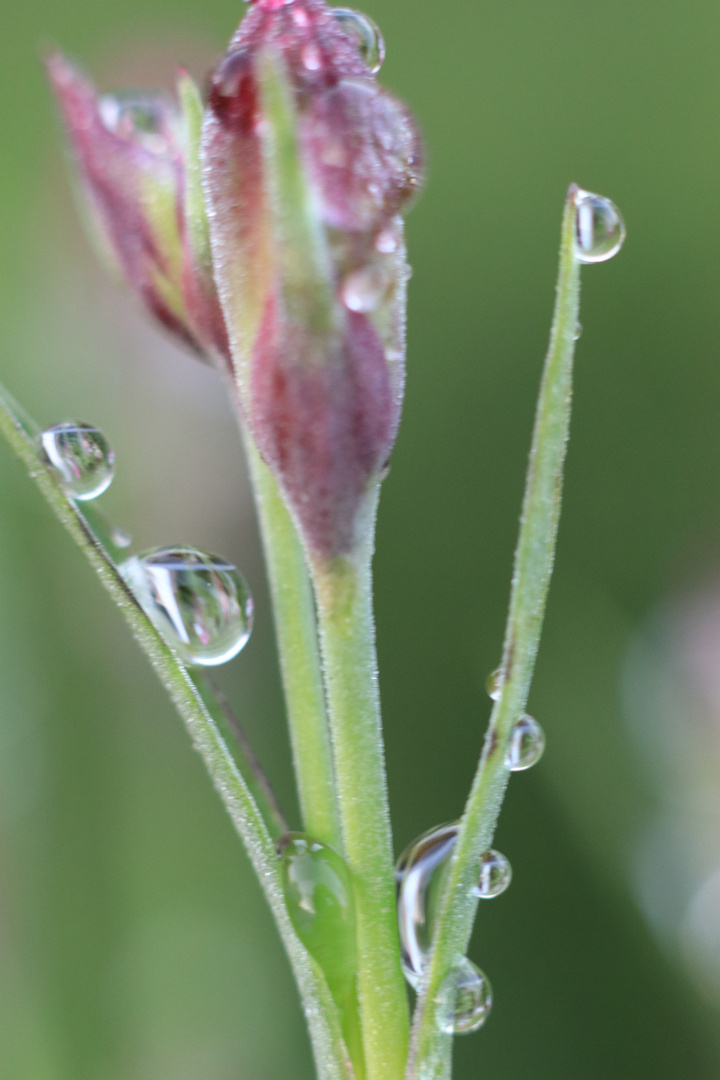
[
  {"x": 321, "y": 1013},
  {"x": 296, "y": 630},
  {"x": 534, "y": 556},
  {"x": 344, "y": 598}
]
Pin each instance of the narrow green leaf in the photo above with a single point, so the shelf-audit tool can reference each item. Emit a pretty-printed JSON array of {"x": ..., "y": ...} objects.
[
  {"x": 330, "y": 1052},
  {"x": 430, "y": 1052}
]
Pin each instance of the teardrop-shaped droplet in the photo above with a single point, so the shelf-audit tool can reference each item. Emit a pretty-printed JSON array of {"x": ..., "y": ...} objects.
[
  {"x": 420, "y": 879},
  {"x": 81, "y": 455},
  {"x": 199, "y": 602},
  {"x": 387, "y": 241},
  {"x": 465, "y": 999},
  {"x": 320, "y": 903},
  {"x": 599, "y": 228},
  {"x": 494, "y": 683},
  {"x": 577, "y": 332},
  {"x": 495, "y": 875},
  {"x": 366, "y": 35},
  {"x": 140, "y": 117},
  {"x": 525, "y": 744}
]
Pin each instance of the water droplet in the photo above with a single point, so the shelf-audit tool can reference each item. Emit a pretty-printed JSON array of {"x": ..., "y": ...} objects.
[
  {"x": 525, "y": 744},
  {"x": 300, "y": 17},
  {"x": 386, "y": 242},
  {"x": 362, "y": 290},
  {"x": 577, "y": 332},
  {"x": 366, "y": 35},
  {"x": 465, "y": 999},
  {"x": 599, "y": 228},
  {"x": 495, "y": 875},
  {"x": 320, "y": 903},
  {"x": 420, "y": 880},
  {"x": 121, "y": 538},
  {"x": 198, "y": 601},
  {"x": 141, "y": 117},
  {"x": 312, "y": 57},
  {"x": 494, "y": 684},
  {"x": 82, "y": 456}
]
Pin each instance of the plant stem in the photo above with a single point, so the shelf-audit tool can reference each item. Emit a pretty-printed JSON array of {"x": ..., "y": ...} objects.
[
  {"x": 320, "y": 1011},
  {"x": 344, "y": 598},
  {"x": 534, "y": 556},
  {"x": 296, "y": 630}
]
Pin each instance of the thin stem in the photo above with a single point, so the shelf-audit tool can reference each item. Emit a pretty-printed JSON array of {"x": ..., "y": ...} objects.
[
  {"x": 223, "y": 714},
  {"x": 534, "y": 556},
  {"x": 296, "y": 630},
  {"x": 344, "y": 597},
  {"x": 321, "y": 1013}
]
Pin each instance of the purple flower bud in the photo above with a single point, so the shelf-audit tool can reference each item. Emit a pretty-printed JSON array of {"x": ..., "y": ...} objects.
[
  {"x": 307, "y": 165},
  {"x": 131, "y": 153}
]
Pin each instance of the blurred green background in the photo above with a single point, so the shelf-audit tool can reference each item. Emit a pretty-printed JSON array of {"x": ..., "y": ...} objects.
[{"x": 133, "y": 940}]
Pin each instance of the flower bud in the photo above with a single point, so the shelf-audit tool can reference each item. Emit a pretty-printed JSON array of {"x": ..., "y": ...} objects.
[
  {"x": 139, "y": 172},
  {"x": 307, "y": 164}
]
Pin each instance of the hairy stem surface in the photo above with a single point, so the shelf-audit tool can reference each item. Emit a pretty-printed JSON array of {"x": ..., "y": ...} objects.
[
  {"x": 431, "y": 1049},
  {"x": 344, "y": 597}
]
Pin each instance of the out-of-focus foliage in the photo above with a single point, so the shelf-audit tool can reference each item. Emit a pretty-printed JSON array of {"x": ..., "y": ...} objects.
[{"x": 133, "y": 940}]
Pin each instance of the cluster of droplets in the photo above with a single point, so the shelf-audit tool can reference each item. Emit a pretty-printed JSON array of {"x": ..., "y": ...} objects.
[
  {"x": 465, "y": 997},
  {"x": 199, "y": 602},
  {"x": 526, "y": 741},
  {"x": 599, "y": 228}
]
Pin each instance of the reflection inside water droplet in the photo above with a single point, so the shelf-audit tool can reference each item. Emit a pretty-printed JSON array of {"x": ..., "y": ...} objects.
[
  {"x": 199, "y": 602},
  {"x": 82, "y": 457},
  {"x": 525, "y": 744},
  {"x": 495, "y": 875},
  {"x": 366, "y": 35},
  {"x": 599, "y": 227},
  {"x": 465, "y": 999}
]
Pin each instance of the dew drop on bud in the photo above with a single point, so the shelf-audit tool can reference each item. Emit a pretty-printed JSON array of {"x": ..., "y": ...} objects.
[
  {"x": 81, "y": 456},
  {"x": 366, "y": 35},
  {"x": 599, "y": 228},
  {"x": 494, "y": 684},
  {"x": 495, "y": 875},
  {"x": 199, "y": 602},
  {"x": 525, "y": 744},
  {"x": 465, "y": 999},
  {"x": 140, "y": 117},
  {"x": 362, "y": 290},
  {"x": 319, "y": 899},
  {"x": 386, "y": 242},
  {"x": 312, "y": 57}
]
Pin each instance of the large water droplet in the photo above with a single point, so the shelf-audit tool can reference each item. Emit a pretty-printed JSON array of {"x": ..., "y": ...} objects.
[
  {"x": 495, "y": 875},
  {"x": 198, "y": 601},
  {"x": 465, "y": 999},
  {"x": 366, "y": 35},
  {"x": 320, "y": 903},
  {"x": 494, "y": 684},
  {"x": 82, "y": 457},
  {"x": 599, "y": 228},
  {"x": 420, "y": 877},
  {"x": 525, "y": 744},
  {"x": 140, "y": 117}
]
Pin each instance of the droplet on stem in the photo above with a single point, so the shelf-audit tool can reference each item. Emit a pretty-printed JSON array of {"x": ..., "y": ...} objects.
[
  {"x": 199, "y": 602},
  {"x": 495, "y": 875},
  {"x": 525, "y": 744},
  {"x": 465, "y": 999},
  {"x": 599, "y": 227},
  {"x": 82, "y": 457},
  {"x": 494, "y": 684}
]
